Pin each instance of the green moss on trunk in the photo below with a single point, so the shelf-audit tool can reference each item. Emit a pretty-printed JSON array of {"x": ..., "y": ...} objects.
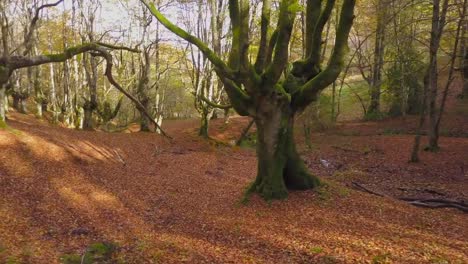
[
  {"x": 279, "y": 165},
  {"x": 203, "y": 132}
]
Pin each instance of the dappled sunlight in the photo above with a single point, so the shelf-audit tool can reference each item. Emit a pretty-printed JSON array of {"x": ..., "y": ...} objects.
[
  {"x": 103, "y": 210},
  {"x": 41, "y": 147},
  {"x": 59, "y": 149},
  {"x": 21, "y": 238},
  {"x": 181, "y": 202},
  {"x": 17, "y": 166}
]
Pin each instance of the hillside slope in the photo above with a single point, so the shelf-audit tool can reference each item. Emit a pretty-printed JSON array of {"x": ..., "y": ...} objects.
[{"x": 170, "y": 202}]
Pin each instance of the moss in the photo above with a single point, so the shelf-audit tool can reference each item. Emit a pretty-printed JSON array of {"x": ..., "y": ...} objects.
[
  {"x": 4, "y": 74},
  {"x": 3, "y": 124},
  {"x": 316, "y": 250},
  {"x": 374, "y": 116},
  {"x": 101, "y": 252},
  {"x": 12, "y": 260},
  {"x": 382, "y": 258}
]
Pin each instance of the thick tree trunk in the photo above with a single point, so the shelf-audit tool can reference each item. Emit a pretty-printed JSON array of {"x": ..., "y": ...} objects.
[{"x": 279, "y": 165}]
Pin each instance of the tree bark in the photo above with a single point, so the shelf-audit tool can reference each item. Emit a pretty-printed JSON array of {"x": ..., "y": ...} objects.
[
  {"x": 438, "y": 24},
  {"x": 464, "y": 57},
  {"x": 204, "y": 125},
  {"x": 2, "y": 105},
  {"x": 279, "y": 165},
  {"x": 379, "y": 49}
]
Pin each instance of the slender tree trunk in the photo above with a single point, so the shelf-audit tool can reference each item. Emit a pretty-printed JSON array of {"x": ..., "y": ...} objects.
[
  {"x": 2, "y": 105},
  {"x": 143, "y": 89},
  {"x": 333, "y": 106},
  {"x": 53, "y": 94},
  {"x": 204, "y": 124},
  {"x": 88, "y": 116},
  {"x": 379, "y": 49},
  {"x": 39, "y": 95},
  {"x": 464, "y": 57},
  {"x": 438, "y": 23},
  {"x": 65, "y": 109},
  {"x": 430, "y": 82},
  {"x": 226, "y": 115},
  {"x": 92, "y": 104}
]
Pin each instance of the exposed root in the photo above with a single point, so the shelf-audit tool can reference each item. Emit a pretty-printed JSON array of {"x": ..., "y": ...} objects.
[{"x": 420, "y": 202}]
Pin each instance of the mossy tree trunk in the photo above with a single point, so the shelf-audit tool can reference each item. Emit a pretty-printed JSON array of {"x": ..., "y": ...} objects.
[
  {"x": 279, "y": 165},
  {"x": 267, "y": 90},
  {"x": 205, "y": 121},
  {"x": 143, "y": 89},
  {"x": 144, "y": 120}
]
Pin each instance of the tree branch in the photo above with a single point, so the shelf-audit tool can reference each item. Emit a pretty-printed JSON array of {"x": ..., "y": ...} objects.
[
  {"x": 263, "y": 45},
  {"x": 212, "y": 104},
  {"x": 18, "y": 62},
  {"x": 316, "y": 37},
  {"x": 308, "y": 91},
  {"x": 108, "y": 57},
  {"x": 287, "y": 15},
  {"x": 32, "y": 26}
]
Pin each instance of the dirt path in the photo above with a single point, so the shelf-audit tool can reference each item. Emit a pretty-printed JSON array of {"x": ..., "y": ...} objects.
[{"x": 173, "y": 202}]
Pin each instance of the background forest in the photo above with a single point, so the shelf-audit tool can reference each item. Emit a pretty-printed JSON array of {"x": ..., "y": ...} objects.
[{"x": 384, "y": 73}]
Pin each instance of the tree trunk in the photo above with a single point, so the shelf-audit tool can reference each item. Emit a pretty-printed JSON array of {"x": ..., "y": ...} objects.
[
  {"x": 206, "y": 116},
  {"x": 379, "y": 49},
  {"x": 144, "y": 120},
  {"x": 203, "y": 132},
  {"x": 438, "y": 23},
  {"x": 144, "y": 123},
  {"x": 464, "y": 58},
  {"x": 226, "y": 115},
  {"x": 279, "y": 165},
  {"x": 53, "y": 97},
  {"x": 2, "y": 106},
  {"x": 88, "y": 116}
]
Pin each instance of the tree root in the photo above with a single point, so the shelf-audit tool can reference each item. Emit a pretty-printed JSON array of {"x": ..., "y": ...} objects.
[
  {"x": 361, "y": 188},
  {"x": 436, "y": 203},
  {"x": 420, "y": 202}
]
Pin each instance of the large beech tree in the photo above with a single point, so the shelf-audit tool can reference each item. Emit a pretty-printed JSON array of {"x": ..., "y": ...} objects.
[{"x": 269, "y": 90}]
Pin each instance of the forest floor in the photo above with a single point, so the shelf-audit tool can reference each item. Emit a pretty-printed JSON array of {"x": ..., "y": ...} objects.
[{"x": 162, "y": 201}]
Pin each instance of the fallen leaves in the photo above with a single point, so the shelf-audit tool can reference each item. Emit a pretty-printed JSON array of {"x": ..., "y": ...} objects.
[{"x": 179, "y": 202}]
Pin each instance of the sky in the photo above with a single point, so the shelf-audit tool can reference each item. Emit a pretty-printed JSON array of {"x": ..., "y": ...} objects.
[{"x": 115, "y": 16}]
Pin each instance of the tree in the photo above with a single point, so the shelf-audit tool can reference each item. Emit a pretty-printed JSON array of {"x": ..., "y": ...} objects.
[
  {"x": 464, "y": 54},
  {"x": 270, "y": 90},
  {"x": 207, "y": 88},
  {"x": 431, "y": 79},
  {"x": 379, "y": 49}
]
